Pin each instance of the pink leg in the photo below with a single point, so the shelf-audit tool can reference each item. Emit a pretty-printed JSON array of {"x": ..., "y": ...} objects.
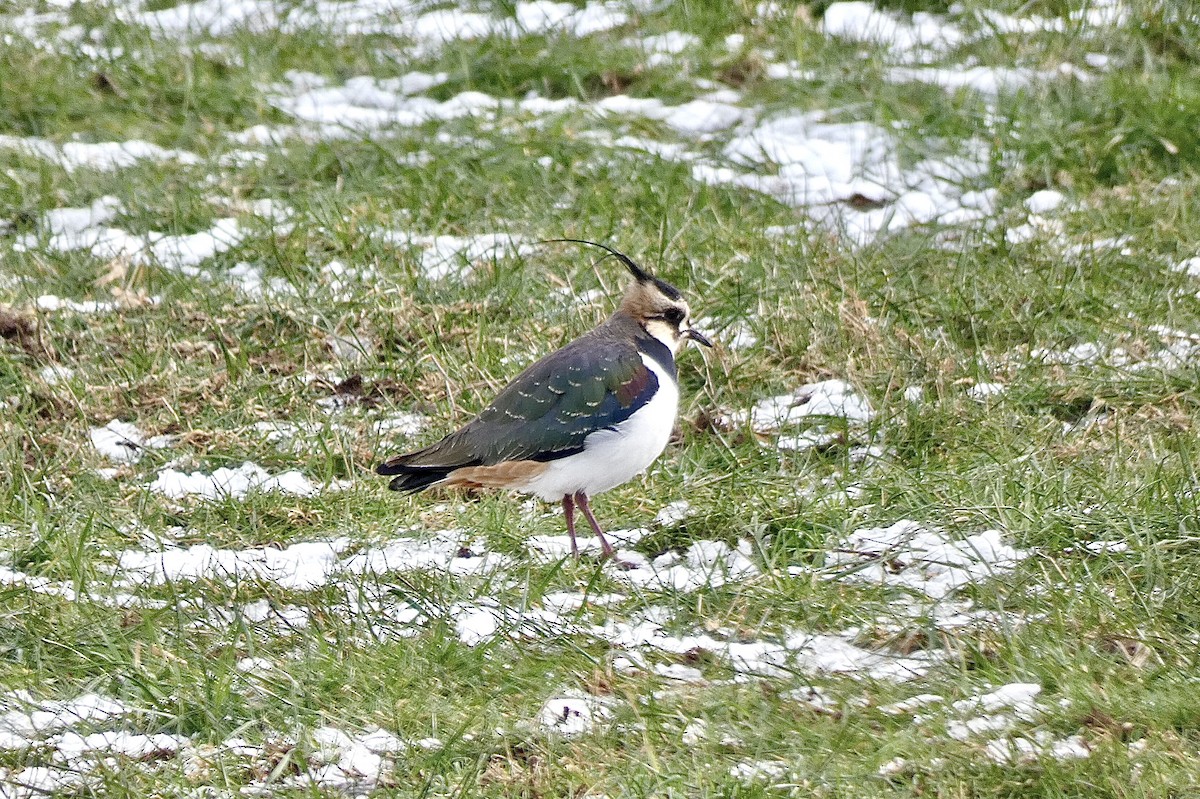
[
  {"x": 569, "y": 512},
  {"x": 582, "y": 500}
]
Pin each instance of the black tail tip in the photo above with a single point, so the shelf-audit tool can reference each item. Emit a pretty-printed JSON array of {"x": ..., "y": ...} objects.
[{"x": 407, "y": 479}]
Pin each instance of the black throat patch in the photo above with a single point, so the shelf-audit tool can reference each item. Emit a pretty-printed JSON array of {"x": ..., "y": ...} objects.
[{"x": 660, "y": 353}]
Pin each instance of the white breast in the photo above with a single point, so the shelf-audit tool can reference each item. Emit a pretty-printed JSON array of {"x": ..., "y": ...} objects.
[{"x": 611, "y": 457}]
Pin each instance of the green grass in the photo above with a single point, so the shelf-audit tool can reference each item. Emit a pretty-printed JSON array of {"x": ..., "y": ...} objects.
[{"x": 1067, "y": 455}]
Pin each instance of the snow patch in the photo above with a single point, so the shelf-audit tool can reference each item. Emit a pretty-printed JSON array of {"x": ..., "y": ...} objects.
[
  {"x": 403, "y": 423},
  {"x": 695, "y": 732},
  {"x": 1188, "y": 266},
  {"x": 987, "y": 81},
  {"x": 807, "y": 412},
  {"x": 759, "y": 771},
  {"x": 993, "y": 717},
  {"x": 47, "y": 717},
  {"x": 51, "y": 303},
  {"x": 102, "y": 156},
  {"x": 923, "y": 560},
  {"x": 705, "y": 564},
  {"x": 798, "y": 159},
  {"x": 236, "y": 483},
  {"x": 349, "y": 762},
  {"x": 794, "y": 651},
  {"x": 37, "y": 781},
  {"x": 673, "y": 513},
  {"x": 694, "y": 118},
  {"x": 923, "y": 38},
  {"x": 814, "y": 698},
  {"x": 1028, "y": 749},
  {"x": 835, "y": 398},
  {"x": 55, "y": 374},
  {"x": 572, "y": 714},
  {"x": 1175, "y": 349},
  {"x": 557, "y": 547},
  {"x": 982, "y": 392},
  {"x": 1044, "y": 201},
  {"x": 456, "y": 256},
  {"x": 124, "y": 443},
  {"x": 735, "y": 335},
  {"x": 300, "y": 566},
  {"x": 306, "y": 565},
  {"x": 71, "y": 745},
  {"x": 75, "y": 229},
  {"x": 906, "y": 706},
  {"x": 831, "y": 167}
]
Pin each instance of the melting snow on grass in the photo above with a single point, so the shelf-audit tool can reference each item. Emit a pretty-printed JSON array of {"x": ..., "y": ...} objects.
[
  {"x": 52, "y": 303},
  {"x": 346, "y": 761},
  {"x": 235, "y": 483},
  {"x": 992, "y": 718},
  {"x": 706, "y": 564},
  {"x": 69, "y": 592},
  {"x": 455, "y": 256},
  {"x": 983, "y": 392},
  {"x": 922, "y": 560},
  {"x": 55, "y": 374},
  {"x": 102, "y": 156},
  {"x": 1188, "y": 266},
  {"x": 1168, "y": 349},
  {"x": 847, "y": 175},
  {"x": 801, "y": 160},
  {"x": 33, "y": 719},
  {"x": 802, "y": 419},
  {"x": 397, "y": 19},
  {"x": 753, "y": 771},
  {"x": 925, "y": 37},
  {"x": 735, "y": 335},
  {"x": 573, "y": 714},
  {"x": 782, "y": 656},
  {"x": 81, "y": 737},
  {"x": 306, "y": 565},
  {"x": 87, "y": 229},
  {"x": 124, "y": 443}
]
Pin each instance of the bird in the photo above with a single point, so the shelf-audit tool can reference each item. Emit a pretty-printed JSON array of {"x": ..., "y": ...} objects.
[{"x": 580, "y": 421}]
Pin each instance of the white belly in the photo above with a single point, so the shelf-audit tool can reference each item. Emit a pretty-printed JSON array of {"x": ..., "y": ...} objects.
[{"x": 611, "y": 457}]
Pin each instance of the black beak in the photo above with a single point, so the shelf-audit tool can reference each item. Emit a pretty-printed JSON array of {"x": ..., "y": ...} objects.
[{"x": 697, "y": 336}]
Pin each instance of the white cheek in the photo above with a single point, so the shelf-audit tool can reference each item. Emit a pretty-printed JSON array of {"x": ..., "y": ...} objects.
[{"x": 665, "y": 333}]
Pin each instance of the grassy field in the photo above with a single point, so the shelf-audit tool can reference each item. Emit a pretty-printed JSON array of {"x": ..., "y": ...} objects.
[{"x": 279, "y": 242}]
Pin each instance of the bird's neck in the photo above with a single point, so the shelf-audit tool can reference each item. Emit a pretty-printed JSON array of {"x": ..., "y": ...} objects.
[
  {"x": 651, "y": 347},
  {"x": 626, "y": 326}
]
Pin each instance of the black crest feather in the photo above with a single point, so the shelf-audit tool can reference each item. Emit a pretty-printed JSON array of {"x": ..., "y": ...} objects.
[{"x": 639, "y": 274}]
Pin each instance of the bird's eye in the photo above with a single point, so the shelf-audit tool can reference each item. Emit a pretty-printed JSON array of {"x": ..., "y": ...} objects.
[{"x": 674, "y": 315}]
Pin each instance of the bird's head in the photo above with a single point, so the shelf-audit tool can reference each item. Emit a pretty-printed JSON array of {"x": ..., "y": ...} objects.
[
  {"x": 655, "y": 304},
  {"x": 659, "y": 308}
]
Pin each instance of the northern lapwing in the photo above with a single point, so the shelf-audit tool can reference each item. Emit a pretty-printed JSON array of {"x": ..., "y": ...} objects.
[{"x": 581, "y": 420}]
